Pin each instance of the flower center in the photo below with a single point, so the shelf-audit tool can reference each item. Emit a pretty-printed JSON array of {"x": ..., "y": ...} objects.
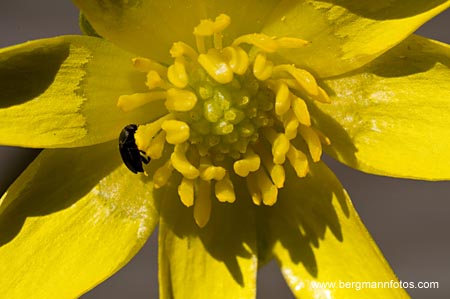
[{"x": 230, "y": 112}]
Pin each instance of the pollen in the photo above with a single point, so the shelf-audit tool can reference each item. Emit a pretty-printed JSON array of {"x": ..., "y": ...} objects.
[{"x": 233, "y": 113}]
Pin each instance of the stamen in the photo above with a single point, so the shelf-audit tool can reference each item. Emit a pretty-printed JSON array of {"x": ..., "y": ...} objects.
[
  {"x": 322, "y": 97},
  {"x": 202, "y": 205},
  {"x": 323, "y": 139},
  {"x": 253, "y": 189},
  {"x": 276, "y": 171},
  {"x": 180, "y": 100},
  {"x": 218, "y": 40},
  {"x": 146, "y": 65},
  {"x": 237, "y": 59},
  {"x": 282, "y": 99},
  {"x": 205, "y": 28},
  {"x": 200, "y": 43},
  {"x": 290, "y": 123},
  {"x": 216, "y": 66},
  {"x": 313, "y": 142},
  {"x": 128, "y": 103},
  {"x": 180, "y": 49},
  {"x": 301, "y": 110},
  {"x": 262, "y": 41},
  {"x": 305, "y": 80},
  {"x": 269, "y": 191},
  {"x": 221, "y": 22},
  {"x": 177, "y": 73},
  {"x": 224, "y": 190},
  {"x": 262, "y": 68},
  {"x": 280, "y": 145},
  {"x": 291, "y": 42},
  {"x": 250, "y": 163},
  {"x": 177, "y": 131},
  {"x": 210, "y": 172},
  {"x": 156, "y": 147},
  {"x": 186, "y": 191},
  {"x": 181, "y": 163},
  {"x": 299, "y": 161},
  {"x": 162, "y": 175},
  {"x": 145, "y": 133},
  {"x": 154, "y": 80}
]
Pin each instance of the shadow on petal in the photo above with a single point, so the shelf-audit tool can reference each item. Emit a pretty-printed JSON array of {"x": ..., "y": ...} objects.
[
  {"x": 387, "y": 9},
  {"x": 304, "y": 212},
  {"x": 228, "y": 237},
  {"x": 414, "y": 55},
  {"x": 55, "y": 180},
  {"x": 26, "y": 74}
]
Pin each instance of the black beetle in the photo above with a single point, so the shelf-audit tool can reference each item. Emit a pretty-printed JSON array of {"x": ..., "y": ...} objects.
[{"x": 131, "y": 155}]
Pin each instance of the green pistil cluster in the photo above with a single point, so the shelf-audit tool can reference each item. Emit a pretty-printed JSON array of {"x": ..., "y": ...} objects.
[{"x": 227, "y": 117}]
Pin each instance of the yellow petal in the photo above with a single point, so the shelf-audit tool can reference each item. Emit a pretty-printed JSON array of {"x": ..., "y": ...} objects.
[
  {"x": 149, "y": 28},
  {"x": 393, "y": 117},
  {"x": 72, "y": 211},
  {"x": 319, "y": 238},
  {"x": 62, "y": 92},
  {"x": 216, "y": 261},
  {"x": 344, "y": 35}
]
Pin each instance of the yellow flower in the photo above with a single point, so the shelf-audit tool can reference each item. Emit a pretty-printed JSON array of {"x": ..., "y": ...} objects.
[{"x": 234, "y": 101}]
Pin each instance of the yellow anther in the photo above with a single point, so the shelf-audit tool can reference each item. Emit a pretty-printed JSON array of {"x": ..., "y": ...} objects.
[
  {"x": 313, "y": 142},
  {"x": 177, "y": 131},
  {"x": 299, "y": 161},
  {"x": 301, "y": 111},
  {"x": 305, "y": 80},
  {"x": 291, "y": 42},
  {"x": 156, "y": 146},
  {"x": 279, "y": 148},
  {"x": 145, "y": 133},
  {"x": 323, "y": 138},
  {"x": 154, "y": 80},
  {"x": 202, "y": 205},
  {"x": 205, "y": 28},
  {"x": 182, "y": 164},
  {"x": 162, "y": 175},
  {"x": 280, "y": 145},
  {"x": 262, "y": 68},
  {"x": 180, "y": 100},
  {"x": 180, "y": 49},
  {"x": 130, "y": 102},
  {"x": 322, "y": 97},
  {"x": 177, "y": 73},
  {"x": 146, "y": 65},
  {"x": 208, "y": 27},
  {"x": 290, "y": 123},
  {"x": 186, "y": 191},
  {"x": 215, "y": 64},
  {"x": 237, "y": 59},
  {"x": 210, "y": 172},
  {"x": 224, "y": 190},
  {"x": 262, "y": 41},
  {"x": 250, "y": 163},
  {"x": 282, "y": 99},
  {"x": 269, "y": 191},
  {"x": 275, "y": 171},
  {"x": 221, "y": 22},
  {"x": 253, "y": 189}
]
